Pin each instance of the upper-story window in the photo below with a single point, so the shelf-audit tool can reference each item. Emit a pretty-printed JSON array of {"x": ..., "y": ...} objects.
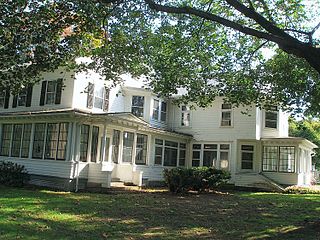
[
  {"x": 51, "y": 92},
  {"x": 271, "y": 117},
  {"x": 4, "y": 98},
  {"x": 226, "y": 115},
  {"x": 137, "y": 105},
  {"x": 23, "y": 98},
  {"x": 98, "y": 97},
  {"x": 159, "y": 110},
  {"x": 185, "y": 116}
]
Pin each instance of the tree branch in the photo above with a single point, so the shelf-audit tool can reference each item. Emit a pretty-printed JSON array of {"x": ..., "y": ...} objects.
[{"x": 215, "y": 18}]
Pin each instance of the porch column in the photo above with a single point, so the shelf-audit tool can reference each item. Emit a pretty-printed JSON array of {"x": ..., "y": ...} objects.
[{"x": 104, "y": 143}]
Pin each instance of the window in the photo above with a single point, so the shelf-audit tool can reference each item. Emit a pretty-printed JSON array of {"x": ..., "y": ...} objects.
[
  {"x": 50, "y": 141},
  {"x": 185, "y": 116},
  {"x": 155, "y": 113},
  {"x": 38, "y": 140},
  {"x": 84, "y": 142},
  {"x": 166, "y": 153},
  {"x": 247, "y": 153},
  {"x": 115, "y": 145},
  {"x": 211, "y": 155},
  {"x": 97, "y": 97},
  {"x": 128, "y": 138},
  {"x": 51, "y": 92},
  {"x": 158, "y": 152},
  {"x": 286, "y": 159},
  {"x": 182, "y": 155},
  {"x": 2, "y": 98},
  {"x": 159, "y": 110},
  {"x": 137, "y": 106},
  {"x": 163, "y": 113},
  {"x": 26, "y": 139},
  {"x": 271, "y": 117},
  {"x": 16, "y": 140},
  {"x": 196, "y": 155},
  {"x": 170, "y": 154},
  {"x": 6, "y": 139},
  {"x": 141, "y": 149},
  {"x": 23, "y": 98},
  {"x": 281, "y": 159},
  {"x": 270, "y": 159},
  {"x": 226, "y": 115},
  {"x": 94, "y": 143}
]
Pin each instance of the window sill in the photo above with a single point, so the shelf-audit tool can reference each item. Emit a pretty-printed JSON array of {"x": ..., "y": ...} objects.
[{"x": 226, "y": 126}]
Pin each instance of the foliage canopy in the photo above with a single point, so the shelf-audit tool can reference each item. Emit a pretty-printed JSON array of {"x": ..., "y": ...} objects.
[{"x": 207, "y": 47}]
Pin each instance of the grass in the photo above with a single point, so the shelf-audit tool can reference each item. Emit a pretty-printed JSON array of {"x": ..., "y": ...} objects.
[{"x": 43, "y": 214}]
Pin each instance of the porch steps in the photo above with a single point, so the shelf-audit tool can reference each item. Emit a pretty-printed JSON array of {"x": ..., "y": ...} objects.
[{"x": 258, "y": 181}]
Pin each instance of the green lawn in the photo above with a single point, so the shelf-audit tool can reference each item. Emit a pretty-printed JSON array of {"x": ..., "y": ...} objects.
[{"x": 40, "y": 214}]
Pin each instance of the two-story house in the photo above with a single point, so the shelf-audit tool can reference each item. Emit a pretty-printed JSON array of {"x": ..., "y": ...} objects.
[{"x": 73, "y": 130}]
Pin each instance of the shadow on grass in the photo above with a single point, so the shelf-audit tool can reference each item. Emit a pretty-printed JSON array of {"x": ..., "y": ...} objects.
[{"x": 43, "y": 214}]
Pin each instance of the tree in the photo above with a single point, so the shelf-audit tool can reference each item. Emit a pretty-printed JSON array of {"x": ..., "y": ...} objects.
[
  {"x": 210, "y": 48},
  {"x": 310, "y": 129}
]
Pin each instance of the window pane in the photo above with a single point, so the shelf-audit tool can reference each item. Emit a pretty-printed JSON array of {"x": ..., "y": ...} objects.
[
  {"x": 182, "y": 158},
  {"x": 141, "y": 149},
  {"x": 226, "y": 106},
  {"x": 224, "y": 160},
  {"x": 16, "y": 140},
  {"x": 286, "y": 159},
  {"x": 62, "y": 144},
  {"x": 26, "y": 140},
  {"x": 170, "y": 157},
  {"x": 155, "y": 114},
  {"x": 127, "y": 146},
  {"x": 22, "y": 97},
  {"x": 182, "y": 145},
  {"x": 38, "y": 140},
  {"x": 270, "y": 159},
  {"x": 52, "y": 141},
  {"x": 115, "y": 145},
  {"x": 163, "y": 111},
  {"x": 210, "y": 146},
  {"x": 196, "y": 146},
  {"x": 159, "y": 141},
  {"x": 196, "y": 155},
  {"x": 158, "y": 156},
  {"x": 6, "y": 139},
  {"x": 209, "y": 158},
  {"x": 94, "y": 143},
  {"x": 171, "y": 144},
  {"x": 84, "y": 140}
]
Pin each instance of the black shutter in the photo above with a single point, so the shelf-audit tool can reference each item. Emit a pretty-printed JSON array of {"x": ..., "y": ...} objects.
[
  {"x": 29, "y": 95},
  {"x": 43, "y": 92},
  {"x": 90, "y": 95},
  {"x": 106, "y": 99},
  {"x": 15, "y": 101},
  {"x": 58, "y": 91},
  {"x": 6, "y": 99}
]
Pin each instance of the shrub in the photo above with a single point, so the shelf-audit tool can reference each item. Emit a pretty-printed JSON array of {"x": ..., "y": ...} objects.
[
  {"x": 197, "y": 179},
  {"x": 13, "y": 174},
  {"x": 302, "y": 190}
]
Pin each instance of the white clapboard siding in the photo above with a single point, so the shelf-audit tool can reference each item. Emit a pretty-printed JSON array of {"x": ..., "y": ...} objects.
[{"x": 62, "y": 169}]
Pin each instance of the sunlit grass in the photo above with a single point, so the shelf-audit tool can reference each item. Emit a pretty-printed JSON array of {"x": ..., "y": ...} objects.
[{"x": 152, "y": 214}]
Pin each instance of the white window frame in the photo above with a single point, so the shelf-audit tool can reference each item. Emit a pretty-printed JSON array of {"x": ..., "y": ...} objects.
[
  {"x": 219, "y": 150},
  {"x": 96, "y": 97},
  {"x": 271, "y": 110},
  {"x": 226, "y": 122},
  {"x": 136, "y": 106},
  {"x": 185, "y": 120},
  {"x": 55, "y": 82},
  {"x": 243, "y": 150},
  {"x": 159, "y": 111},
  {"x": 163, "y": 146}
]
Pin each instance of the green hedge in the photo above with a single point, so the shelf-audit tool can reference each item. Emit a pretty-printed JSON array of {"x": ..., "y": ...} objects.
[
  {"x": 13, "y": 174},
  {"x": 181, "y": 180}
]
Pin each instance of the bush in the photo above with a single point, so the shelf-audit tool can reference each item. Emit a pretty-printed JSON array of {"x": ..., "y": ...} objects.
[
  {"x": 13, "y": 174},
  {"x": 302, "y": 190},
  {"x": 181, "y": 180}
]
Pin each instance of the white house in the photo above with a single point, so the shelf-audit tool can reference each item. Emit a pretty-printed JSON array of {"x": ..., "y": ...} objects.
[{"x": 71, "y": 131}]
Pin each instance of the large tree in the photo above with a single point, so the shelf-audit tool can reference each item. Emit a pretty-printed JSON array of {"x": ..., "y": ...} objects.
[{"x": 208, "y": 47}]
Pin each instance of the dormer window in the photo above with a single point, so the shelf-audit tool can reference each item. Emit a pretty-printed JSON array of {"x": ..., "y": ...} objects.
[
  {"x": 137, "y": 106},
  {"x": 98, "y": 97},
  {"x": 51, "y": 92},
  {"x": 185, "y": 116},
  {"x": 226, "y": 115},
  {"x": 23, "y": 98},
  {"x": 271, "y": 117},
  {"x": 159, "y": 110}
]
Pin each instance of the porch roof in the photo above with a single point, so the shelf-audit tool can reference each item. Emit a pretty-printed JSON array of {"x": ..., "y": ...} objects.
[
  {"x": 298, "y": 140},
  {"x": 126, "y": 118}
]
